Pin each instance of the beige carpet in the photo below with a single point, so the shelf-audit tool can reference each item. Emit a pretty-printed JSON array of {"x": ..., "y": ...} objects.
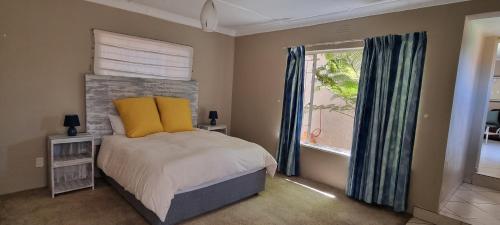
[{"x": 283, "y": 202}]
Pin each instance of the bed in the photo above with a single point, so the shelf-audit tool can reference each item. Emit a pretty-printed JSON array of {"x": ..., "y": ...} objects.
[{"x": 171, "y": 177}]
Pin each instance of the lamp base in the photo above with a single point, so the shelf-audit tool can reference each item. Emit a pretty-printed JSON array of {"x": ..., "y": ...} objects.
[
  {"x": 72, "y": 131},
  {"x": 213, "y": 122}
]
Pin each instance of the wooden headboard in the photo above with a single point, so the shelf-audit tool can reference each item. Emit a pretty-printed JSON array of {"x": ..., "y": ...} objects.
[{"x": 100, "y": 91}]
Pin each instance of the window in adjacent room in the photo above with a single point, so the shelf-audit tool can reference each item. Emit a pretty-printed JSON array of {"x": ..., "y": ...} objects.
[{"x": 331, "y": 88}]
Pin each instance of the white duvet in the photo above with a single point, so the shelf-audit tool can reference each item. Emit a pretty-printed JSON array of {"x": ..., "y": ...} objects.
[{"x": 155, "y": 167}]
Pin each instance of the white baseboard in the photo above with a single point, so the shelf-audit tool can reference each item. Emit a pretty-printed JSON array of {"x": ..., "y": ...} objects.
[
  {"x": 486, "y": 181},
  {"x": 435, "y": 218}
]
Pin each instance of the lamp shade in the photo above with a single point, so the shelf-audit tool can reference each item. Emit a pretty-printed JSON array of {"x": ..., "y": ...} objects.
[
  {"x": 208, "y": 16},
  {"x": 71, "y": 121},
  {"x": 213, "y": 115}
]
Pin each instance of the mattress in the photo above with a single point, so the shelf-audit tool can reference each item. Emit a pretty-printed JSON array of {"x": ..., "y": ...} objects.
[{"x": 156, "y": 167}]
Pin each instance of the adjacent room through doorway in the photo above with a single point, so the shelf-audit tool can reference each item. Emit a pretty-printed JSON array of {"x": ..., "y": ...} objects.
[{"x": 489, "y": 160}]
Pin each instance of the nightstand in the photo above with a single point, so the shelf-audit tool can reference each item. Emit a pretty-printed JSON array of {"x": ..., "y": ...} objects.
[
  {"x": 221, "y": 128},
  {"x": 71, "y": 162}
]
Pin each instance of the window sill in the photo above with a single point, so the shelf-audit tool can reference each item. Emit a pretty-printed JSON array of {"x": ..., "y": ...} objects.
[{"x": 327, "y": 149}]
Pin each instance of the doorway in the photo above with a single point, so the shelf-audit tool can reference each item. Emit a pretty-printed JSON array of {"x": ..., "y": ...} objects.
[
  {"x": 468, "y": 152},
  {"x": 489, "y": 157}
]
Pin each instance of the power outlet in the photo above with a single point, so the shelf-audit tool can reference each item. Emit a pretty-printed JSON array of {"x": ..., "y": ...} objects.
[{"x": 39, "y": 162}]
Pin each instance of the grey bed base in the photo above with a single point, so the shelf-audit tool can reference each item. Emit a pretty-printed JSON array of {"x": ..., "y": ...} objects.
[{"x": 193, "y": 203}]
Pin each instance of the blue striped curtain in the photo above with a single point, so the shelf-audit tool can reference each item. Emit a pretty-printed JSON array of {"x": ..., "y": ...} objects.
[
  {"x": 288, "y": 153},
  {"x": 385, "y": 121}
]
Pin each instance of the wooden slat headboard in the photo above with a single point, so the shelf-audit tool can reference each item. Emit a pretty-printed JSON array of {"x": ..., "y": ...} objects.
[{"x": 100, "y": 91}]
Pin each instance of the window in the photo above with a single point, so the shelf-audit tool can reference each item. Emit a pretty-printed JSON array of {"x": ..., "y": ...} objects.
[
  {"x": 123, "y": 55},
  {"x": 331, "y": 88}
]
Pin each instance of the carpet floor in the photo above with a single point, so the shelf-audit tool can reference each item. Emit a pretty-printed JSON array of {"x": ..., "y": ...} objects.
[{"x": 285, "y": 201}]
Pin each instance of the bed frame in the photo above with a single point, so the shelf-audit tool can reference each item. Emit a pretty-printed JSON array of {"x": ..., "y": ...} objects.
[
  {"x": 100, "y": 91},
  {"x": 193, "y": 203}
]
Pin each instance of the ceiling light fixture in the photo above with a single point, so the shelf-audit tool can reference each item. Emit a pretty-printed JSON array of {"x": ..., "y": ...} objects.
[{"x": 208, "y": 17}]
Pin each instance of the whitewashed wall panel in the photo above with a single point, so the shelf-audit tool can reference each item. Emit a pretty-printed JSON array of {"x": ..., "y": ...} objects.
[
  {"x": 100, "y": 91},
  {"x": 123, "y": 55}
]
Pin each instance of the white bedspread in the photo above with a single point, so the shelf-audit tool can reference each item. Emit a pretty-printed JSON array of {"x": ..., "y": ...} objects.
[{"x": 155, "y": 167}]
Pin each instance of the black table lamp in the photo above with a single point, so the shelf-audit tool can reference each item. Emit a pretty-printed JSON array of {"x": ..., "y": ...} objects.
[
  {"x": 71, "y": 121},
  {"x": 212, "y": 116}
]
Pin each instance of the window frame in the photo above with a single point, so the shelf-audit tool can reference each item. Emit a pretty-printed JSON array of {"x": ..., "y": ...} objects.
[{"x": 306, "y": 143}]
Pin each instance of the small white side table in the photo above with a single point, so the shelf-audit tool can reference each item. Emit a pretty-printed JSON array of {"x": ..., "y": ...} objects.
[
  {"x": 221, "y": 128},
  {"x": 71, "y": 162}
]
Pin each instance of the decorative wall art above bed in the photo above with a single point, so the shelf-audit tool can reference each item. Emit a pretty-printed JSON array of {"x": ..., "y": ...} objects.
[
  {"x": 124, "y": 55},
  {"x": 100, "y": 91}
]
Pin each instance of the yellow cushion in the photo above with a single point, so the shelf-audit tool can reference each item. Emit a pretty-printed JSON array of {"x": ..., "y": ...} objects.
[
  {"x": 139, "y": 116},
  {"x": 175, "y": 114}
]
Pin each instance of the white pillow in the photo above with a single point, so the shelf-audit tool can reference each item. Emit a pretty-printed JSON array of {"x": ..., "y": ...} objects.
[{"x": 116, "y": 124}]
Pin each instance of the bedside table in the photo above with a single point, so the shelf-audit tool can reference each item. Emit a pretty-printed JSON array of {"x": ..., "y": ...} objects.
[
  {"x": 71, "y": 162},
  {"x": 221, "y": 128}
]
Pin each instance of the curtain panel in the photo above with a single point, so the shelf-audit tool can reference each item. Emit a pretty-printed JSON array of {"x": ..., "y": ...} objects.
[
  {"x": 385, "y": 120},
  {"x": 288, "y": 154}
]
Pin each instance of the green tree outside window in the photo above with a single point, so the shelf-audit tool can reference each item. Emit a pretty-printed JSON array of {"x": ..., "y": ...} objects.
[{"x": 340, "y": 75}]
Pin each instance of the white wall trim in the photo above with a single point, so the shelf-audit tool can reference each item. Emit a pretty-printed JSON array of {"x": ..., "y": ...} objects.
[{"x": 433, "y": 217}]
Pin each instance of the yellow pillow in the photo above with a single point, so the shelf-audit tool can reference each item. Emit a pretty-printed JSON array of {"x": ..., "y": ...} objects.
[
  {"x": 175, "y": 114},
  {"x": 139, "y": 115}
]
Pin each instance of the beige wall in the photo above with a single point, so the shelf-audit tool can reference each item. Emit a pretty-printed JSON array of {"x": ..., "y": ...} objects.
[
  {"x": 47, "y": 51},
  {"x": 495, "y": 105},
  {"x": 482, "y": 90},
  {"x": 460, "y": 124},
  {"x": 260, "y": 61},
  {"x": 497, "y": 67},
  {"x": 326, "y": 167}
]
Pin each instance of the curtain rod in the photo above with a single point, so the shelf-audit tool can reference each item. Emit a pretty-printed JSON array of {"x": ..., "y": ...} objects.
[{"x": 328, "y": 43}]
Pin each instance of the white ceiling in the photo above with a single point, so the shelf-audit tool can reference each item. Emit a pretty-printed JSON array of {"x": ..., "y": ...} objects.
[{"x": 243, "y": 17}]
